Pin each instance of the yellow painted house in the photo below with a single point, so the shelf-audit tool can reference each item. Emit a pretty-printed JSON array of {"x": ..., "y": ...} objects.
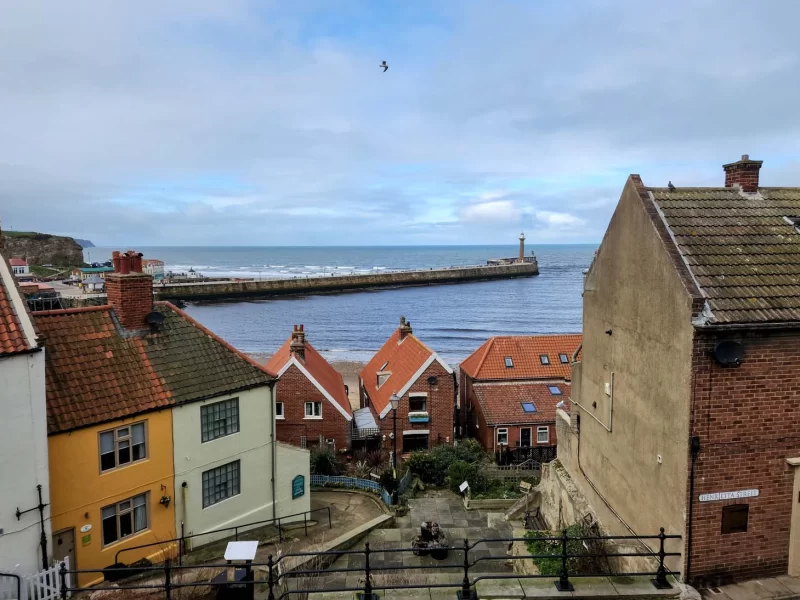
[{"x": 117, "y": 377}]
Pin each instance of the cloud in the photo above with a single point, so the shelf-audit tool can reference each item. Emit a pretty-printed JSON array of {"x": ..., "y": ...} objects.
[{"x": 199, "y": 122}]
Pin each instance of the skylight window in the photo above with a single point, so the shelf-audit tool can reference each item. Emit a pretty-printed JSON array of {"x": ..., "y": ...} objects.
[
  {"x": 554, "y": 390},
  {"x": 528, "y": 407},
  {"x": 544, "y": 359},
  {"x": 509, "y": 363},
  {"x": 793, "y": 221},
  {"x": 386, "y": 364},
  {"x": 563, "y": 358}
]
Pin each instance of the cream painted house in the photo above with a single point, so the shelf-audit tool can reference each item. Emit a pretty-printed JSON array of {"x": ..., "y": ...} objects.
[{"x": 23, "y": 436}]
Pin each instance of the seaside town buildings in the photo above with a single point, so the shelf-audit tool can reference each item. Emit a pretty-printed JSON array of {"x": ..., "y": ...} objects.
[
  {"x": 157, "y": 428},
  {"x": 685, "y": 406},
  {"x": 153, "y": 267},
  {"x": 423, "y": 386},
  {"x": 509, "y": 389},
  {"x": 19, "y": 266},
  {"x": 312, "y": 407},
  {"x": 25, "y": 539}
]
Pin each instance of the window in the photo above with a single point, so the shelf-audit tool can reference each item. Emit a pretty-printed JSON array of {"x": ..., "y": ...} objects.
[
  {"x": 383, "y": 368},
  {"x": 554, "y": 390},
  {"x": 313, "y": 410},
  {"x": 528, "y": 407},
  {"x": 417, "y": 403},
  {"x": 502, "y": 436},
  {"x": 124, "y": 518},
  {"x": 122, "y": 446},
  {"x": 220, "y": 483},
  {"x": 509, "y": 362},
  {"x": 412, "y": 443},
  {"x": 279, "y": 410},
  {"x": 382, "y": 377},
  {"x": 219, "y": 419},
  {"x": 543, "y": 358},
  {"x": 793, "y": 221},
  {"x": 303, "y": 442},
  {"x": 563, "y": 358},
  {"x": 734, "y": 518},
  {"x": 542, "y": 435}
]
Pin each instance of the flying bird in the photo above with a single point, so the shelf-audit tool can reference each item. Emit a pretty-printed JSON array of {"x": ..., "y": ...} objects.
[
  {"x": 383, "y": 66},
  {"x": 671, "y": 187}
]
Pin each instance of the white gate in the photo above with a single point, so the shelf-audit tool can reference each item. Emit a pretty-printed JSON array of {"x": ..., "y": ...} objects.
[{"x": 44, "y": 585}]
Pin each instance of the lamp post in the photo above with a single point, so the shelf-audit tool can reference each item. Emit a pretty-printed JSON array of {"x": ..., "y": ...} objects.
[{"x": 395, "y": 402}]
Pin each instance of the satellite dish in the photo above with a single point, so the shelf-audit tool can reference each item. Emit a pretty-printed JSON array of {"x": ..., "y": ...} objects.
[
  {"x": 729, "y": 353},
  {"x": 155, "y": 320}
]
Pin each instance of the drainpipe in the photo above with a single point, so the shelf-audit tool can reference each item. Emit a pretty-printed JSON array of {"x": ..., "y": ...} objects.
[
  {"x": 185, "y": 519},
  {"x": 274, "y": 448},
  {"x": 695, "y": 450}
]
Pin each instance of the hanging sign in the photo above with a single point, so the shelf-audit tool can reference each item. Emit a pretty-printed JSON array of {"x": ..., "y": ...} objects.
[{"x": 728, "y": 495}]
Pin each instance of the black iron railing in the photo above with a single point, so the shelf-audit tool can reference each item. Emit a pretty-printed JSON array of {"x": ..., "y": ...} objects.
[
  {"x": 277, "y": 572},
  {"x": 181, "y": 541},
  {"x": 18, "y": 580}
]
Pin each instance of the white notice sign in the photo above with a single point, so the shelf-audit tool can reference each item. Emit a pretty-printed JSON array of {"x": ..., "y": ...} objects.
[{"x": 728, "y": 495}]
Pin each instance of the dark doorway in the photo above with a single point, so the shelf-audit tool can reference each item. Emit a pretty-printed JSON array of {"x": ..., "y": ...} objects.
[
  {"x": 415, "y": 442},
  {"x": 525, "y": 436}
]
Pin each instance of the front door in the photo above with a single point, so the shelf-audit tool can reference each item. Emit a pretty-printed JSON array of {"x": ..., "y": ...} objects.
[
  {"x": 64, "y": 546},
  {"x": 525, "y": 436}
]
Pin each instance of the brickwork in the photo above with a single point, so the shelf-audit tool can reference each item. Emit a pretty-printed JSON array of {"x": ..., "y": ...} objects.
[
  {"x": 440, "y": 405},
  {"x": 744, "y": 172},
  {"x": 748, "y": 422},
  {"x": 131, "y": 295},
  {"x": 294, "y": 390}
]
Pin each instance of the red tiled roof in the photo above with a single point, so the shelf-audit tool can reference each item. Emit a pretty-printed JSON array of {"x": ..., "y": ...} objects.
[
  {"x": 488, "y": 361},
  {"x": 18, "y": 262},
  {"x": 94, "y": 375},
  {"x": 12, "y": 336},
  {"x": 320, "y": 369},
  {"x": 501, "y": 401},
  {"x": 404, "y": 359}
]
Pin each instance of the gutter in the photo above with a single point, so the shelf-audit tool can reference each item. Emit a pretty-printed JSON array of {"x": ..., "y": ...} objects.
[{"x": 20, "y": 352}]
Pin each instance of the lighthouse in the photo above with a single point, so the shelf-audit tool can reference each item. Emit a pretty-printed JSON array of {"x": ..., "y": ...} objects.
[{"x": 522, "y": 247}]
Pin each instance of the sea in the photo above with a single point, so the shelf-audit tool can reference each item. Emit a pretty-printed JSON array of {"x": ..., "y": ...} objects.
[{"x": 350, "y": 326}]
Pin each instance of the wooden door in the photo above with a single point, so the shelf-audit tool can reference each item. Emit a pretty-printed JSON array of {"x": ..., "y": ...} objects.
[{"x": 64, "y": 545}]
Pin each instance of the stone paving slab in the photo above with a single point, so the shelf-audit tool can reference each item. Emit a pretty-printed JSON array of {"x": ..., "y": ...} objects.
[
  {"x": 757, "y": 589},
  {"x": 639, "y": 588},
  {"x": 790, "y": 583},
  {"x": 592, "y": 587},
  {"x": 541, "y": 588},
  {"x": 500, "y": 589}
]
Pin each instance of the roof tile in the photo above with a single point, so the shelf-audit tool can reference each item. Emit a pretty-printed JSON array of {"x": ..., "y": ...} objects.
[
  {"x": 525, "y": 351},
  {"x": 501, "y": 402}
]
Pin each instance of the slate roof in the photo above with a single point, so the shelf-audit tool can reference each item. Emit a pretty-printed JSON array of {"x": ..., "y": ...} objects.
[
  {"x": 525, "y": 351},
  {"x": 12, "y": 336},
  {"x": 737, "y": 248},
  {"x": 320, "y": 369},
  {"x": 404, "y": 359},
  {"x": 501, "y": 402},
  {"x": 95, "y": 372}
]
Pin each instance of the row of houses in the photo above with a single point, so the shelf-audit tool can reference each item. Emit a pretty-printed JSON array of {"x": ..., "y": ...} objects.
[
  {"x": 507, "y": 396},
  {"x": 129, "y": 425}
]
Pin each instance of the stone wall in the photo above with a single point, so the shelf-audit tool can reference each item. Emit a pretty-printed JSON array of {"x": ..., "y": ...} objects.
[{"x": 274, "y": 287}]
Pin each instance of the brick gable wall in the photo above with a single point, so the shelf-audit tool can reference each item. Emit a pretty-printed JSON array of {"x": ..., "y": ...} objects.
[
  {"x": 748, "y": 421},
  {"x": 294, "y": 390}
]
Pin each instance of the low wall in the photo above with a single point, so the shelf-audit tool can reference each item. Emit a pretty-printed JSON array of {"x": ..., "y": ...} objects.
[
  {"x": 276, "y": 287},
  {"x": 490, "y": 503}
]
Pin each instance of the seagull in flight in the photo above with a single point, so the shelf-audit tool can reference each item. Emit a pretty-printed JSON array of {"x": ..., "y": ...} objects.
[{"x": 383, "y": 66}]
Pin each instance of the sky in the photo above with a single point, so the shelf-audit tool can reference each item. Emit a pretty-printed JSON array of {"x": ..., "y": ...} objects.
[{"x": 196, "y": 122}]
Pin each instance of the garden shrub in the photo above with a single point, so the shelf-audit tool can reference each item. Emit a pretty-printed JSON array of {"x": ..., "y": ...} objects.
[
  {"x": 594, "y": 563},
  {"x": 432, "y": 466},
  {"x": 323, "y": 462},
  {"x": 460, "y": 471}
]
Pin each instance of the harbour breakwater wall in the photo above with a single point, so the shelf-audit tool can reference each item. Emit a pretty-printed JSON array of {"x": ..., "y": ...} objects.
[{"x": 339, "y": 283}]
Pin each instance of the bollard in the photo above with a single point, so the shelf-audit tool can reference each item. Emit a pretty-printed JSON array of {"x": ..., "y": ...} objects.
[
  {"x": 660, "y": 582},
  {"x": 563, "y": 584}
]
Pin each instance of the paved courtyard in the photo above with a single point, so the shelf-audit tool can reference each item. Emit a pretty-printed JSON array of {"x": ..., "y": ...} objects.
[{"x": 391, "y": 568}]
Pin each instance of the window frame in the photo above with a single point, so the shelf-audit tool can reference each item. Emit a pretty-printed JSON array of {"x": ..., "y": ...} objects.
[
  {"x": 504, "y": 431},
  {"x": 528, "y": 412},
  {"x": 544, "y": 359},
  {"x": 378, "y": 381},
  {"x": 207, "y": 427},
  {"x": 282, "y": 415},
  {"x": 732, "y": 512},
  {"x": 314, "y": 404},
  {"x": 563, "y": 358},
  {"x": 542, "y": 429},
  {"x": 509, "y": 362},
  {"x": 118, "y": 513},
  {"x": 125, "y": 438},
  {"x": 212, "y": 494},
  {"x": 423, "y": 396},
  {"x": 557, "y": 391}
]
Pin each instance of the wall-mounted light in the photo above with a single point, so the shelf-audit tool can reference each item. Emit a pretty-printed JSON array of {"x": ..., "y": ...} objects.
[{"x": 165, "y": 500}]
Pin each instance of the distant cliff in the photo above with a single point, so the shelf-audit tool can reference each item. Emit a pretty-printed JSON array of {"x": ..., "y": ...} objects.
[
  {"x": 42, "y": 248},
  {"x": 85, "y": 243}
]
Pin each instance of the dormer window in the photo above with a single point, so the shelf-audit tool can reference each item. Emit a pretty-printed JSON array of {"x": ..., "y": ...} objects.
[
  {"x": 509, "y": 362},
  {"x": 543, "y": 358},
  {"x": 382, "y": 377},
  {"x": 383, "y": 368}
]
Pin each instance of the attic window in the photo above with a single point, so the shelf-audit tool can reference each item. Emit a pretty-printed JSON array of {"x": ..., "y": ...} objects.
[
  {"x": 382, "y": 377},
  {"x": 528, "y": 407},
  {"x": 563, "y": 358},
  {"x": 383, "y": 368},
  {"x": 544, "y": 359},
  {"x": 793, "y": 221},
  {"x": 509, "y": 363},
  {"x": 554, "y": 390}
]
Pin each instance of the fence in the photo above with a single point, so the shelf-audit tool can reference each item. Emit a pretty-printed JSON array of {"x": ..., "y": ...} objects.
[
  {"x": 404, "y": 482},
  {"x": 465, "y": 569},
  {"x": 350, "y": 482},
  {"x": 181, "y": 541},
  {"x": 44, "y": 585},
  {"x": 526, "y": 469},
  {"x": 518, "y": 454}
]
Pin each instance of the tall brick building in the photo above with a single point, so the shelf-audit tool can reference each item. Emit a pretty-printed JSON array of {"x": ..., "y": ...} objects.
[
  {"x": 425, "y": 385},
  {"x": 311, "y": 404},
  {"x": 686, "y": 403}
]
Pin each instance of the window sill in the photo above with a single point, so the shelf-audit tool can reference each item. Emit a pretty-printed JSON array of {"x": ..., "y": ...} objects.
[
  {"x": 277, "y": 418},
  {"x": 312, "y": 418},
  {"x": 124, "y": 539},
  {"x": 120, "y": 468}
]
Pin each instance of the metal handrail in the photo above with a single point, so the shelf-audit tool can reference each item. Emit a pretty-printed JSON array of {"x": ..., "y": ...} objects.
[
  {"x": 19, "y": 583},
  {"x": 274, "y": 576},
  {"x": 182, "y": 540}
]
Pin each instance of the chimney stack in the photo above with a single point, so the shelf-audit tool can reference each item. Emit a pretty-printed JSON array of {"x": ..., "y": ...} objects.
[
  {"x": 129, "y": 291},
  {"x": 405, "y": 328},
  {"x": 298, "y": 344},
  {"x": 743, "y": 172}
]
